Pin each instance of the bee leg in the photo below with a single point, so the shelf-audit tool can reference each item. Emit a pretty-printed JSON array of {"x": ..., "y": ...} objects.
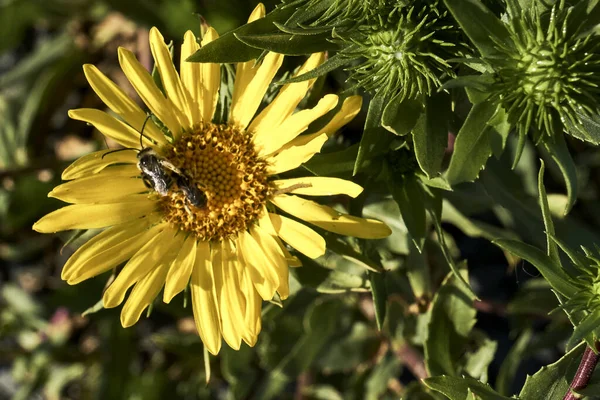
[{"x": 167, "y": 164}]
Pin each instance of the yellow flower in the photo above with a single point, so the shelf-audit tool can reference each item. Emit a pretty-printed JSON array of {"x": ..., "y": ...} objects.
[{"x": 228, "y": 246}]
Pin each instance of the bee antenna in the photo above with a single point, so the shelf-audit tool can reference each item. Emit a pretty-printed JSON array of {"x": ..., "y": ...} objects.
[
  {"x": 142, "y": 131},
  {"x": 115, "y": 151}
]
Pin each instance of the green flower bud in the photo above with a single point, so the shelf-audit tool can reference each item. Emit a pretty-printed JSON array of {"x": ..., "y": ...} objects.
[
  {"x": 405, "y": 52},
  {"x": 551, "y": 73}
]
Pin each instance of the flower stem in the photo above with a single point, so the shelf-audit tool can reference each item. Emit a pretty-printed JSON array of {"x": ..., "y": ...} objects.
[{"x": 584, "y": 372}]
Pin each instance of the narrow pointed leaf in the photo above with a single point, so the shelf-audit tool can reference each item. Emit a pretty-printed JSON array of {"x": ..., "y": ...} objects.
[
  {"x": 550, "y": 270},
  {"x": 480, "y": 25},
  {"x": 228, "y": 49},
  {"x": 430, "y": 135},
  {"x": 284, "y": 43},
  {"x": 558, "y": 151},
  {"x": 472, "y": 147}
]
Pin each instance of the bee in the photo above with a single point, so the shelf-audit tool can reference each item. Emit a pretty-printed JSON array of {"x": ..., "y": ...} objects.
[
  {"x": 153, "y": 168},
  {"x": 159, "y": 174},
  {"x": 194, "y": 195}
]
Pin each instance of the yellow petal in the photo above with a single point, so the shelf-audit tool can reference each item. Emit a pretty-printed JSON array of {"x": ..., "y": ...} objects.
[
  {"x": 275, "y": 257},
  {"x": 190, "y": 76},
  {"x": 231, "y": 299},
  {"x": 244, "y": 73},
  {"x": 91, "y": 216},
  {"x": 144, "y": 292},
  {"x": 349, "y": 109},
  {"x": 299, "y": 236},
  {"x": 143, "y": 84},
  {"x": 116, "y": 99},
  {"x": 211, "y": 80},
  {"x": 145, "y": 260},
  {"x": 109, "y": 126},
  {"x": 181, "y": 269},
  {"x": 100, "y": 188},
  {"x": 292, "y": 157},
  {"x": 252, "y": 315},
  {"x": 250, "y": 88},
  {"x": 106, "y": 250},
  {"x": 170, "y": 78},
  {"x": 264, "y": 221},
  {"x": 288, "y": 98},
  {"x": 318, "y": 186},
  {"x": 204, "y": 299},
  {"x": 329, "y": 219},
  {"x": 262, "y": 270},
  {"x": 272, "y": 139},
  {"x": 258, "y": 13},
  {"x": 95, "y": 162}
]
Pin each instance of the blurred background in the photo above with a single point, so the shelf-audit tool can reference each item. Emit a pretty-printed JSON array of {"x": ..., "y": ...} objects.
[{"x": 324, "y": 343}]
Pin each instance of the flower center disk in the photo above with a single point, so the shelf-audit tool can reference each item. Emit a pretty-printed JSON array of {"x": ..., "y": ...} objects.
[{"x": 221, "y": 161}]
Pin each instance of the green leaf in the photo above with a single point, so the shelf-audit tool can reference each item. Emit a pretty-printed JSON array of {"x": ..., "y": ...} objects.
[
  {"x": 228, "y": 49},
  {"x": 472, "y": 146},
  {"x": 409, "y": 196},
  {"x": 347, "y": 252},
  {"x": 588, "y": 131},
  {"x": 401, "y": 115},
  {"x": 338, "y": 163},
  {"x": 550, "y": 270},
  {"x": 304, "y": 30},
  {"x": 510, "y": 365},
  {"x": 558, "y": 151},
  {"x": 329, "y": 65},
  {"x": 480, "y": 25},
  {"x": 552, "y": 248},
  {"x": 552, "y": 381},
  {"x": 458, "y": 388},
  {"x": 472, "y": 227},
  {"x": 293, "y": 45},
  {"x": 350, "y": 350},
  {"x": 379, "y": 293},
  {"x": 478, "y": 361},
  {"x": 375, "y": 139},
  {"x": 417, "y": 272},
  {"x": 377, "y": 383},
  {"x": 387, "y": 211},
  {"x": 430, "y": 135},
  {"x": 586, "y": 326},
  {"x": 452, "y": 318}
]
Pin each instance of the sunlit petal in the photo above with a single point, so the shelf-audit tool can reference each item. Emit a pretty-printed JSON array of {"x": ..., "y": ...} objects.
[
  {"x": 299, "y": 236},
  {"x": 292, "y": 157},
  {"x": 144, "y": 85},
  {"x": 116, "y": 99},
  {"x": 143, "y": 293},
  {"x": 92, "y": 216},
  {"x": 107, "y": 250},
  {"x": 109, "y": 126},
  {"x": 181, "y": 269},
  {"x": 95, "y": 162},
  {"x": 318, "y": 186},
  {"x": 191, "y": 78},
  {"x": 204, "y": 298},
  {"x": 211, "y": 80},
  {"x": 145, "y": 260},
  {"x": 288, "y": 98},
  {"x": 331, "y": 220}
]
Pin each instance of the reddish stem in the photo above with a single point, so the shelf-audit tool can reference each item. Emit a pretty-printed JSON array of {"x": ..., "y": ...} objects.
[{"x": 584, "y": 373}]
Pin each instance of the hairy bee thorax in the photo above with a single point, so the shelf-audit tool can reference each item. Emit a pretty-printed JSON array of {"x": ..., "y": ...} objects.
[{"x": 223, "y": 184}]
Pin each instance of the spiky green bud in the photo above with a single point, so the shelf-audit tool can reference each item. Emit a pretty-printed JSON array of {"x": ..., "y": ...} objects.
[
  {"x": 404, "y": 53},
  {"x": 550, "y": 74}
]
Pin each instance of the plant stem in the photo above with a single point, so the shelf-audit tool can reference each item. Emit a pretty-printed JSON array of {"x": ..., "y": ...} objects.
[{"x": 584, "y": 372}]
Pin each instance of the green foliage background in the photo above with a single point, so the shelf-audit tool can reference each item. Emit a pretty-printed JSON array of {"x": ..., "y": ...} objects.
[{"x": 369, "y": 320}]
